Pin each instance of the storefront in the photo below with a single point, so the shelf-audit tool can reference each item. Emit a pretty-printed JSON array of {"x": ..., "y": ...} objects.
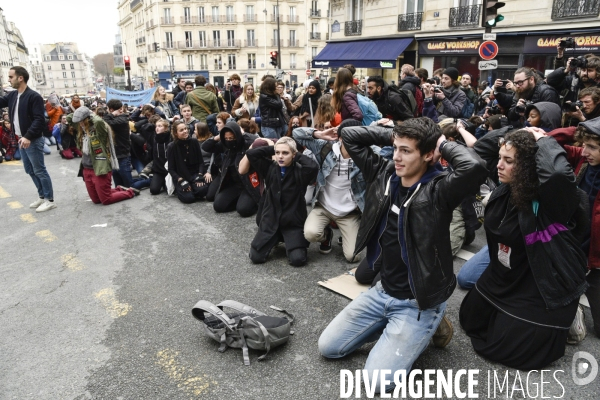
[{"x": 540, "y": 51}]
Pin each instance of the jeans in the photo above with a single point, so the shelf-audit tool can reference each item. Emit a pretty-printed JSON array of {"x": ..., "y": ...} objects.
[
  {"x": 140, "y": 183},
  {"x": 33, "y": 162},
  {"x": 123, "y": 175},
  {"x": 137, "y": 164},
  {"x": 46, "y": 149},
  {"x": 471, "y": 270},
  {"x": 50, "y": 141},
  {"x": 15, "y": 156},
  {"x": 56, "y": 135},
  {"x": 402, "y": 331},
  {"x": 273, "y": 133}
]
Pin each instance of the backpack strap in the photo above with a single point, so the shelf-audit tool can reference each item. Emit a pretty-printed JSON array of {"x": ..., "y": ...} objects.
[
  {"x": 206, "y": 306},
  {"x": 235, "y": 305},
  {"x": 267, "y": 338},
  {"x": 323, "y": 154},
  {"x": 281, "y": 310}
]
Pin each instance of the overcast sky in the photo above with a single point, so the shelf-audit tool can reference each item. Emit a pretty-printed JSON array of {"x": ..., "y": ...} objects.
[{"x": 92, "y": 24}]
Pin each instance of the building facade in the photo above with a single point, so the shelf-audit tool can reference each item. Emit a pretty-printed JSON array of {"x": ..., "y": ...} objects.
[
  {"x": 185, "y": 38},
  {"x": 445, "y": 33},
  {"x": 12, "y": 51},
  {"x": 65, "y": 69}
]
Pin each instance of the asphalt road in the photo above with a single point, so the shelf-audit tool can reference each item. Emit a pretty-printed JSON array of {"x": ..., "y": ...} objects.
[{"x": 105, "y": 312}]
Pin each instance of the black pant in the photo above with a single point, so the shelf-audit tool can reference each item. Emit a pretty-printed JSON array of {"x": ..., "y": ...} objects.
[
  {"x": 367, "y": 276},
  {"x": 296, "y": 257},
  {"x": 593, "y": 295},
  {"x": 232, "y": 198},
  {"x": 157, "y": 183},
  {"x": 212, "y": 190},
  {"x": 196, "y": 193}
]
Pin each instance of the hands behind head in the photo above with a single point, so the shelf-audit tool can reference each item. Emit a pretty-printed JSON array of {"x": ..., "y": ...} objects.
[
  {"x": 436, "y": 154},
  {"x": 327, "y": 134},
  {"x": 537, "y": 133}
]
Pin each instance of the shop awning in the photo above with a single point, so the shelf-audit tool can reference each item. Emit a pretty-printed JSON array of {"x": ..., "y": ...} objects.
[{"x": 377, "y": 53}]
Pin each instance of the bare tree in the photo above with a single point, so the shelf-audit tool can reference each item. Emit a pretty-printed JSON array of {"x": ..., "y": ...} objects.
[{"x": 104, "y": 63}]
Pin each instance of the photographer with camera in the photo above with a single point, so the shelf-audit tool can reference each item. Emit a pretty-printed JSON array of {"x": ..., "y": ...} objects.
[
  {"x": 587, "y": 107},
  {"x": 449, "y": 99},
  {"x": 233, "y": 90},
  {"x": 529, "y": 89}
]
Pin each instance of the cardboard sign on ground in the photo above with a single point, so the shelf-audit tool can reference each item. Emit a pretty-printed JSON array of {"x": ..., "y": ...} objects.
[{"x": 345, "y": 285}]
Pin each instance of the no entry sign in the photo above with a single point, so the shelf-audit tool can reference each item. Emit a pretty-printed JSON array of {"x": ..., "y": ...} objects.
[{"x": 488, "y": 50}]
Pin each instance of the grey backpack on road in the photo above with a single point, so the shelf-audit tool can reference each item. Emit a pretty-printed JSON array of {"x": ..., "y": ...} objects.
[{"x": 243, "y": 328}]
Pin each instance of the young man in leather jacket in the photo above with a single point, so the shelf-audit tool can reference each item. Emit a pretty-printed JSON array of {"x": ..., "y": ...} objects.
[{"x": 405, "y": 225}]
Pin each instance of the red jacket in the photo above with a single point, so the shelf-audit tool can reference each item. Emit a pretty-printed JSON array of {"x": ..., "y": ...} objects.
[{"x": 579, "y": 163}]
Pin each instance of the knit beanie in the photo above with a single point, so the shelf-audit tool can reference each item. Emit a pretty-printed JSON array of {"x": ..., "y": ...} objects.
[{"x": 452, "y": 73}]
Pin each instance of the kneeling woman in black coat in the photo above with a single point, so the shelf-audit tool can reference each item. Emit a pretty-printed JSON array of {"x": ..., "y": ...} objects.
[
  {"x": 282, "y": 210},
  {"x": 186, "y": 165}
]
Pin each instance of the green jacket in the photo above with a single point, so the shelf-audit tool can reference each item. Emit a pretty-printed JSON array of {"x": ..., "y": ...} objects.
[
  {"x": 101, "y": 148},
  {"x": 208, "y": 100}
]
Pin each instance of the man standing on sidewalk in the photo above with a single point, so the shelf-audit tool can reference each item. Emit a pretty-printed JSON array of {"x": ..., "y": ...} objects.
[{"x": 26, "y": 112}]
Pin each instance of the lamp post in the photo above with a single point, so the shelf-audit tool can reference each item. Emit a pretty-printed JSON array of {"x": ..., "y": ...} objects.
[
  {"x": 278, "y": 39},
  {"x": 107, "y": 75},
  {"x": 170, "y": 66}
]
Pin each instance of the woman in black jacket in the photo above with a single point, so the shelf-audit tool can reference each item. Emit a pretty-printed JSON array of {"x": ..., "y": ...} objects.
[
  {"x": 235, "y": 191},
  {"x": 186, "y": 165},
  {"x": 283, "y": 207},
  {"x": 162, "y": 138},
  {"x": 522, "y": 306},
  {"x": 273, "y": 123},
  {"x": 310, "y": 102}
]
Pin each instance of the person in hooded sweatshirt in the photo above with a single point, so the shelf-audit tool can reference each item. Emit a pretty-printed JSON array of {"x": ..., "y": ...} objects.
[
  {"x": 235, "y": 191},
  {"x": 544, "y": 115},
  {"x": 283, "y": 208},
  {"x": 186, "y": 165}
]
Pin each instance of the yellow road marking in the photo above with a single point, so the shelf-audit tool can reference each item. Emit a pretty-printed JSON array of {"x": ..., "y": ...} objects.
[
  {"x": 195, "y": 385},
  {"x": 46, "y": 235},
  {"x": 70, "y": 261},
  {"x": 29, "y": 218},
  {"x": 4, "y": 194},
  {"x": 14, "y": 205},
  {"x": 12, "y": 163},
  {"x": 111, "y": 304}
]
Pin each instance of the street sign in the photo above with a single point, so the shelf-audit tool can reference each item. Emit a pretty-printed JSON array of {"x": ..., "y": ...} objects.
[
  {"x": 489, "y": 36},
  {"x": 308, "y": 72},
  {"x": 487, "y": 65},
  {"x": 488, "y": 50}
]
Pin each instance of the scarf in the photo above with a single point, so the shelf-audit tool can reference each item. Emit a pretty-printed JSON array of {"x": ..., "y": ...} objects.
[
  {"x": 75, "y": 105},
  {"x": 313, "y": 99}
]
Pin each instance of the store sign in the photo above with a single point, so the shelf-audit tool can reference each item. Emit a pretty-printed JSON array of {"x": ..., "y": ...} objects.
[
  {"x": 488, "y": 65},
  {"x": 547, "y": 44},
  {"x": 386, "y": 64},
  {"x": 449, "y": 47},
  {"x": 335, "y": 27}
]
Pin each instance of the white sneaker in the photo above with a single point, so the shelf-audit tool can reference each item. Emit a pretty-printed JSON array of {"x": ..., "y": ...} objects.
[
  {"x": 577, "y": 331},
  {"x": 37, "y": 203},
  {"x": 48, "y": 205}
]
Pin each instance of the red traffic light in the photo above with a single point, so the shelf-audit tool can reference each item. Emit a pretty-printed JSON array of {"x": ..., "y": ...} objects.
[
  {"x": 127, "y": 62},
  {"x": 274, "y": 61}
]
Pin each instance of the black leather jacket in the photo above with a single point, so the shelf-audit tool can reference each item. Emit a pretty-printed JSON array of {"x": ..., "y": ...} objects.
[{"x": 426, "y": 213}]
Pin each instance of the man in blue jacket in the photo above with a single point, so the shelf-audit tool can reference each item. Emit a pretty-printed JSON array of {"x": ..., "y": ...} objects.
[{"x": 26, "y": 113}]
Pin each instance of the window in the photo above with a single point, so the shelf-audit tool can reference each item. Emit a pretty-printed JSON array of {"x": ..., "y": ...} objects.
[
  {"x": 414, "y": 6},
  {"x": 229, "y": 14},
  {"x": 251, "y": 61},
  {"x": 72, "y": 74},
  {"x": 61, "y": 57},
  {"x": 64, "y": 75},
  {"x": 250, "y": 37},
  {"x": 315, "y": 28},
  {"x": 69, "y": 57},
  {"x": 74, "y": 83},
  {"x": 49, "y": 67},
  {"x": 72, "y": 66},
  {"x": 190, "y": 62},
  {"x": 356, "y": 9},
  {"x": 231, "y": 38},
  {"x": 250, "y": 14},
  {"x": 167, "y": 13},
  {"x": 275, "y": 10},
  {"x": 314, "y": 52},
  {"x": 169, "y": 39},
  {"x": 292, "y": 14},
  {"x": 187, "y": 16},
  {"x": 215, "y": 14},
  {"x": 292, "y": 60},
  {"x": 217, "y": 38},
  {"x": 275, "y": 36},
  {"x": 218, "y": 62},
  {"x": 201, "y": 15},
  {"x": 48, "y": 58},
  {"x": 172, "y": 61},
  {"x": 66, "y": 84},
  {"x": 202, "y": 38},
  {"x": 62, "y": 66},
  {"x": 188, "y": 38},
  {"x": 231, "y": 61},
  {"x": 203, "y": 61},
  {"x": 292, "y": 38}
]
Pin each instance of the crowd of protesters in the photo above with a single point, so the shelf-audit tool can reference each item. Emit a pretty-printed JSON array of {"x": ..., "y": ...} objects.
[{"x": 407, "y": 172}]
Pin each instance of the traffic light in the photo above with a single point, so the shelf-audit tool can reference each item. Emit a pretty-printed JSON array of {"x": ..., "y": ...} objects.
[
  {"x": 490, "y": 13},
  {"x": 156, "y": 47},
  {"x": 274, "y": 58},
  {"x": 127, "y": 62}
]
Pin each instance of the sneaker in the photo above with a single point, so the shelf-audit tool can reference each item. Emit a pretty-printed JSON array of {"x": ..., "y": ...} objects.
[
  {"x": 325, "y": 247},
  {"x": 134, "y": 190},
  {"x": 36, "y": 203},
  {"x": 144, "y": 175},
  {"x": 146, "y": 172},
  {"x": 45, "y": 206},
  {"x": 577, "y": 331},
  {"x": 443, "y": 334},
  {"x": 339, "y": 241}
]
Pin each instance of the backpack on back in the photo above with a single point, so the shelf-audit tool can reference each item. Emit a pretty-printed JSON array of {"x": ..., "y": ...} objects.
[
  {"x": 243, "y": 328},
  {"x": 468, "y": 109},
  {"x": 369, "y": 109},
  {"x": 408, "y": 99}
]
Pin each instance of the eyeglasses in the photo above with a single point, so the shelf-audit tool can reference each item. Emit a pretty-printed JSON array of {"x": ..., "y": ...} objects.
[
  {"x": 519, "y": 83},
  {"x": 508, "y": 144}
]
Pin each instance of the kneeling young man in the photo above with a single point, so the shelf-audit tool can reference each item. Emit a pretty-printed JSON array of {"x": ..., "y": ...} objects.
[{"x": 405, "y": 225}]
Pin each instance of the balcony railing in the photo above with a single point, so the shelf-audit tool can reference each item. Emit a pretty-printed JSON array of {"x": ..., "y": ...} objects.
[
  {"x": 353, "y": 28},
  {"x": 150, "y": 24},
  {"x": 203, "y": 66},
  {"x": 293, "y": 19},
  {"x": 168, "y": 45},
  {"x": 189, "y": 67},
  {"x": 315, "y": 13},
  {"x": 167, "y": 21},
  {"x": 293, "y": 43},
  {"x": 464, "y": 16},
  {"x": 134, "y": 3},
  {"x": 189, "y": 20},
  {"x": 140, "y": 41},
  {"x": 252, "y": 65},
  {"x": 292, "y": 66},
  {"x": 274, "y": 18},
  {"x": 213, "y": 19},
  {"x": 315, "y": 36},
  {"x": 575, "y": 8},
  {"x": 274, "y": 43},
  {"x": 250, "y": 18},
  {"x": 224, "y": 43},
  {"x": 142, "y": 60},
  {"x": 410, "y": 22},
  {"x": 251, "y": 43}
]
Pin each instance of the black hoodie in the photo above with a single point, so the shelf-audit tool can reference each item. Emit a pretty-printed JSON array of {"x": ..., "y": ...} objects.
[{"x": 410, "y": 83}]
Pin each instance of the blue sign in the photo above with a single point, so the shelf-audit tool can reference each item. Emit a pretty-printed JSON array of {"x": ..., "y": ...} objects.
[
  {"x": 335, "y": 27},
  {"x": 138, "y": 98}
]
